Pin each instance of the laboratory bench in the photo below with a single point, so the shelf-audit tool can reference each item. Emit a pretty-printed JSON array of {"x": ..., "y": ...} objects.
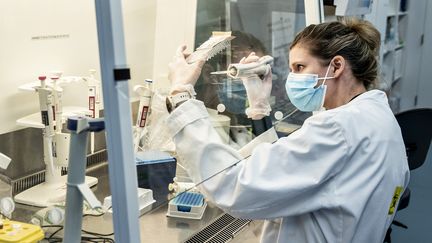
[{"x": 155, "y": 226}]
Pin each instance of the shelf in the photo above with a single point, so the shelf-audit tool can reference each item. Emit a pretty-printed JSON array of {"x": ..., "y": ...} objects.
[
  {"x": 34, "y": 120},
  {"x": 395, "y": 81},
  {"x": 398, "y": 47}
]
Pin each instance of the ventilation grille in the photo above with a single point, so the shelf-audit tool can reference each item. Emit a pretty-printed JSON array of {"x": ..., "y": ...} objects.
[
  {"x": 34, "y": 179},
  {"x": 221, "y": 230},
  {"x": 97, "y": 158},
  {"x": 92, "y": 159},
  {"x": 26, "y": 182}
]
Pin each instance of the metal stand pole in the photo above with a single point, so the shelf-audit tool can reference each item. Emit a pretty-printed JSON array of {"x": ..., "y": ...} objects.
[{"x": 118, "y": 120}]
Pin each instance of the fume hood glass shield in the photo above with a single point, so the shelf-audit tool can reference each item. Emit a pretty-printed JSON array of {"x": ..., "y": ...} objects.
[{"x": 263, "y": 27}]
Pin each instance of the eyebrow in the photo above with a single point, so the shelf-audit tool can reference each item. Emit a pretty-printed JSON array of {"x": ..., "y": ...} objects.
[{"x": 295, "y": 63}]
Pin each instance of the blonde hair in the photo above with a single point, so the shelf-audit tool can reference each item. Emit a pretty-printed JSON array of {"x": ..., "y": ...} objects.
[{"x": 358, "y": 41}]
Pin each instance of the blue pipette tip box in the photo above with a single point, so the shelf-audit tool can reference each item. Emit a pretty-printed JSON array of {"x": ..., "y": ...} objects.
[{"x": 189, "y": 205}]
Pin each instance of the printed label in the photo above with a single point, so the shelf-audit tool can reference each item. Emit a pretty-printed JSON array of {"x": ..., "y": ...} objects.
[
  {"x": 45, "y": 119},
  {"x": 143, "y": 116},
  {"x": 395, "y": 199}
]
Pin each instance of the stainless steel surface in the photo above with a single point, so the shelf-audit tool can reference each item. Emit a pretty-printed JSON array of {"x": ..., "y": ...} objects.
[
  {"x": 24, "y": 147},
  {"x": 155, "y": 226}
]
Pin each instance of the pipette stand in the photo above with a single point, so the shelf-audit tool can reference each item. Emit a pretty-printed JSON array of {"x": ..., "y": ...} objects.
[
  {"x": 77, "y": 190},
  {"x": 53, "y": 190}
]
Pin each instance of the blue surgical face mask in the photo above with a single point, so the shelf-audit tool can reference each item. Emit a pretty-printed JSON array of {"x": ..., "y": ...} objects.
[{"x": 302, "y": 92}]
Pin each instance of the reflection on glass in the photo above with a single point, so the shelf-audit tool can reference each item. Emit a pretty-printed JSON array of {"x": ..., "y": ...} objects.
[{"x": 266, "y": 28}]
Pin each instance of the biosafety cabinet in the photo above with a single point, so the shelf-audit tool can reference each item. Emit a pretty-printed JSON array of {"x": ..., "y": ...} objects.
[{"x": 97, "y": 55}]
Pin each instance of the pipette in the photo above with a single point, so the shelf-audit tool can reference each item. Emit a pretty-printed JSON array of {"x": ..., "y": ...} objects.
[{"x": 238, "y": 70}]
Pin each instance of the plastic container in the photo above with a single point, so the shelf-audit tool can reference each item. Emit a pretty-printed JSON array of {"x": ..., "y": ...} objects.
[
  {"x": 5, "y": 187},
  {"x": 155, "y": 170}
]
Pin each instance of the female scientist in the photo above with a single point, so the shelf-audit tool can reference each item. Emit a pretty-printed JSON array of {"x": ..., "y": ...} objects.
[{"x": 336, "y": 179}]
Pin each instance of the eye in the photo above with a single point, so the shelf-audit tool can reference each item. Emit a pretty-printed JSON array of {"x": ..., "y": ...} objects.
[{"x": 299, "y": 67}]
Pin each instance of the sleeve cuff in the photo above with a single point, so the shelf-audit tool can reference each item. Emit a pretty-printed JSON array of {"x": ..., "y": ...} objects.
[{"x": 185, "y": 114}]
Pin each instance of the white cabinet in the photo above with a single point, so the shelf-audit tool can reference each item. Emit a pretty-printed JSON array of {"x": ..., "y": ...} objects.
[
  {"x": 405, "y": 54},
  {"x": 391, "y": 19}
]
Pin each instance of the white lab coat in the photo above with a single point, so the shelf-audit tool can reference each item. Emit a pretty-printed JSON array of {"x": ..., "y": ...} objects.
[{"x": 332, "y": 180}]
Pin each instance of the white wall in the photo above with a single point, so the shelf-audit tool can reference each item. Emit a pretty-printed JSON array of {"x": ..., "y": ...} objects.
[
  {"x": 139, "y": 20},
  {"x": 75, "y": 50},
  {"x": 175, "y": 25},
  {"x": 67, "y": 41}
]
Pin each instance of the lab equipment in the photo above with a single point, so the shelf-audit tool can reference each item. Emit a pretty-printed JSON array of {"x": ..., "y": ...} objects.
[
  {"x": 145, "y": 94},
  {"x": 157, "y": 136},
  {"x": 215, "y": 44},
  {"x": 55, "y": 143},
  {"x": 53, "y": 215},
  {"x": 155, "y": 170},
  {"x": 14, "y": 231},
  {"x": 93, "y": 100},
  {"x": 178, "y": 187},
  {"x": 145, "y": 201},
  {"x": 93, "y": 95},
  {"x": 7, "y": 206},
  {"x": 77, "y": 190},
  {"x": 5, "y": 186},
  {"x": 46, "y": 103},
  {"x": 239, "y": 70},
  {"x": 57, "y": 101},
  {"x": 189, "y": 205},
  {"x": 18, "y": 232},
  {"x": 4, "y": 161}
]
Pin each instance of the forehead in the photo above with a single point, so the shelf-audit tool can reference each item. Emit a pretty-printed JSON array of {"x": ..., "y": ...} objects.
[{"x": 299, "y": 54}]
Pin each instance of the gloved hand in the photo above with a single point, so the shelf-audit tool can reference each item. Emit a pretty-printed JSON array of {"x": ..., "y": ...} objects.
[
  {"x": 182, "y": 75},
  {"x": 258, "y": 91}
]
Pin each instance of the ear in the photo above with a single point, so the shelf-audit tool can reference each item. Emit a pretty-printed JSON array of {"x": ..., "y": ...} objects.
[{"x": 338, "y": 65}]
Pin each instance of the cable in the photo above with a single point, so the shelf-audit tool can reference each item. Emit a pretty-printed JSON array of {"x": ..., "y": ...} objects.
[
  {"x": 55, "y": 232},
  {"x": 97, "y": 239},
  {"x": 5, "y": 216},
  {"x": 52, "y": 225},
  {"x": 93, "y": 215},
  {"x": 97, "y": 234}
]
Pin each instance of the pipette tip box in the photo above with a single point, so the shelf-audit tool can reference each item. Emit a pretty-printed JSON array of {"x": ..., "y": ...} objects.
[{"x": 189, "y": 205}]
